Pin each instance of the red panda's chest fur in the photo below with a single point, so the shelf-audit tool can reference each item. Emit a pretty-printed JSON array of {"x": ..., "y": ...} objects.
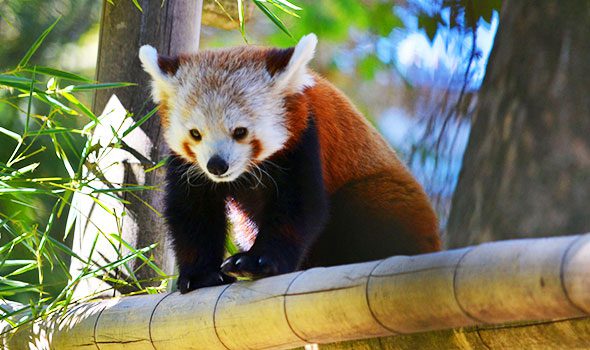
[{"x": 350, "y": 147}]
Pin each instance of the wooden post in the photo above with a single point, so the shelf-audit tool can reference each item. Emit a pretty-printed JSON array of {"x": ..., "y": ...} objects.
[{"x": 172, "y": 27}]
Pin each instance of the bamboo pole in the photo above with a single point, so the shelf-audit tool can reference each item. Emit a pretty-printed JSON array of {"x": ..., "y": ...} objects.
[{"x": 490, "y": 284}]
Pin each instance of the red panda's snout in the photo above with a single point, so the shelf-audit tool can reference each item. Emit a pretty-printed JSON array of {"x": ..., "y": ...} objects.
[
  {"x": 220, "y": 155},
  {"x": 217, "y": 166},
  {"x": 223, "y": 161}
]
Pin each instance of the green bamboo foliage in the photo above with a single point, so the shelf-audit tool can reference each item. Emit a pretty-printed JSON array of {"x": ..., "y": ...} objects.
[{"x": 34, "y": 258}]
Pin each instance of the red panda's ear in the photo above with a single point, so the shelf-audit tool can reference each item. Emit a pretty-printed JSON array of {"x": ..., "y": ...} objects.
[
  {"x": 168, "y": 64},
  {"x": 277, "y": 60},
  {"x": 158, "y": 66},
  {"x": 161, "y": 69},
  {"x": 289, "y": 66}
]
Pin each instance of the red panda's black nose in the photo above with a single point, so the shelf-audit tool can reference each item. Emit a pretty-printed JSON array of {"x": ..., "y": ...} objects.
[{"x": 217, "y": 166}]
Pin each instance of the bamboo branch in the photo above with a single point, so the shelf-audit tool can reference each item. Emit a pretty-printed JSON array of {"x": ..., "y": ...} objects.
[
  {"x": 223, "y": 14},
  {"x": 491, "y": 284}
]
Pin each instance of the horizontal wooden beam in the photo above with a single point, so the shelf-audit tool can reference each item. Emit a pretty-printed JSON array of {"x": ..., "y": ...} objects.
[{"x": 490, "y": 284}]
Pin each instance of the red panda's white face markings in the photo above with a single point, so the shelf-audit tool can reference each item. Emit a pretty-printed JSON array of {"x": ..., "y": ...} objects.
[
  {"x": 226, "y": 108},
  {"x": 231, "y": 110}
]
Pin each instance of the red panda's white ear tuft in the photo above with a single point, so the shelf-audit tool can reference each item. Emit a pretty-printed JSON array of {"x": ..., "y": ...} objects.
[
  {"x": 149, "y": 60},
  {"x": 159, "y": 69},
  {"x": 295, "y": 77}
]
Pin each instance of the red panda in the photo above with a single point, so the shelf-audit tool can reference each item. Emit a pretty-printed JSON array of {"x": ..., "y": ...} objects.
[{"x": 258, "y": 137}]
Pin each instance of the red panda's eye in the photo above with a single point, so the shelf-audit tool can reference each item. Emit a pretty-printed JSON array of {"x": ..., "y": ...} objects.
[
  {"x": 240, "y": 133},
  {"x": 195, "y": 134}
]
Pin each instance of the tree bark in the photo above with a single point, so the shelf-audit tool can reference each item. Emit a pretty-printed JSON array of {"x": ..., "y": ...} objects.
[
  {"x": 171, "y": 27},
  {"x": 527, "y": 164}
]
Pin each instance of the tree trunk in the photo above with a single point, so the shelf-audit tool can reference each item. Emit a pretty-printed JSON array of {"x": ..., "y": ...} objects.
[
  {"x": 527, "y": 165},
  {"x": 172, "y": 27}
]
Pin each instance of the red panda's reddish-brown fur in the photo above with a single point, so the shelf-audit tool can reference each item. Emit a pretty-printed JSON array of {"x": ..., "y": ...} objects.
[
  {"x": 187, "y": 150},
  {"x": 351, "y": 149}
]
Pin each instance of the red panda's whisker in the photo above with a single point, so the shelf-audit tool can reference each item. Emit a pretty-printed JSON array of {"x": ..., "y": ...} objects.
[
  {"x": 195, "y": 173},
  {"x": 258, "y": 178},
  {"x": 269, "y": 176},
  {"x": 282, "y": 169}
]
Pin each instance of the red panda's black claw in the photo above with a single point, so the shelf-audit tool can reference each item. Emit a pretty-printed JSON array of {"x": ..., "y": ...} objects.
[
  {"x": 264, "y": 263},
  {"x": 251, "y": 265},
  {"x": 227, "y": 261}
]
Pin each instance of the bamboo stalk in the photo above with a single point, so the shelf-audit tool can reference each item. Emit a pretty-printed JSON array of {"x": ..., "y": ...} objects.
[{"x": 491, "y": 284}]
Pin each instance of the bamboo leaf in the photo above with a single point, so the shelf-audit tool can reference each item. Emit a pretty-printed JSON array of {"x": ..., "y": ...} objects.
[
  {"x": 57, "y": 73},
  {"x": 241, "y": 19},
  {"x": 26, "y": 268},
  {"x": 80, "y": 106},
  {"x": 99, "y": 86},
  {"x": 28, "y": 168},
  {"x": 241, "y": 13},
  {"x": 287, "y": 3},
  {"x": 23, "y": 62},
  {"x": 139, "y": 254},
  {"x": 11, "y": 134},
  {"x": 123, "y": 189},
  {"x": 28, "y": 190},
  {"x": 14, "y": 78},
  {"x": 13, "y": 283},
  {"x": 30, "y": 102},
  {"x": 53, "y": 131},
  {"x": 17, "y": 82},
  {"x": 136, "y": 3},
  {"x": 11, "y": 263},
  {"x": 160, "y": 164},
  {"x": 276, "y": 20},
  {"x": 284, "y": 9},
  {"x": 55, "y": 103},
  {"x": 140, "y": 122},
  {"x": 12, "y": 290},
  {"x": 72, "y": 214}
]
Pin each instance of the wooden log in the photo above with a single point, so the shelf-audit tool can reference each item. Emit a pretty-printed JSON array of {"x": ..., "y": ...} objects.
[{"x": 462, "y": 299}]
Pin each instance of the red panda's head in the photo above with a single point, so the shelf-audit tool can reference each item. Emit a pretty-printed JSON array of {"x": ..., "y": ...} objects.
[{"x": 224, "y": 110}]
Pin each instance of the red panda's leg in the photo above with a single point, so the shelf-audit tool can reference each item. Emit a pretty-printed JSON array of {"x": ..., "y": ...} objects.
[
  {"x": 196, "y": 220},
  {"x": 294, "y": 213},
  {"x": 382, "y": 215}
]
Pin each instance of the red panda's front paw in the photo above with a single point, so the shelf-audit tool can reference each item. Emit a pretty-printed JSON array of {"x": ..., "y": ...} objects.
[
  {"x": 253, "y": 265},
  {"x": 187, "y": 283}
]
